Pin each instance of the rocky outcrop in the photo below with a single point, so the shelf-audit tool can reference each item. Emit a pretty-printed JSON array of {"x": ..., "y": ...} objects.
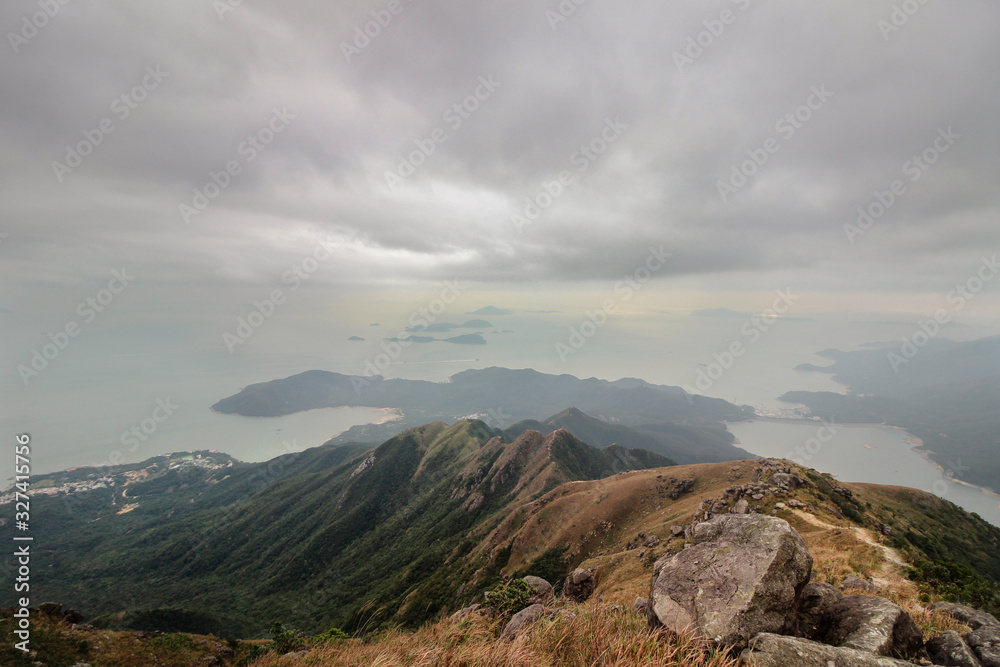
[
  {"x": 852, "y": 582},
  {"x": 985, "y": 642},
  {"x": 520, "y": 621},
  {"x": 770, "y": 650},
  {"x": 543, "y": 590},
  {"x": 579, "y": 585},
  {"x": 871, "y": 624},
  {"x": 949, "y": 649},
  {"x": 741, "y": 576},
  {"x": 815, "y": 602}
]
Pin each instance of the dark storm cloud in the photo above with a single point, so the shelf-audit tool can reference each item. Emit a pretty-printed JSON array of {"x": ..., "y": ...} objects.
[{"x": 531, "y": 91}]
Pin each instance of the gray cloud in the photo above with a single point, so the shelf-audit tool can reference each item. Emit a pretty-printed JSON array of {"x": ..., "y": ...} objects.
[{"x": 656, "y": 185}]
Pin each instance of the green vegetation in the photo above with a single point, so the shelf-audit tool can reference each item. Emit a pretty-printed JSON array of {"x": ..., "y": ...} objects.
[
  {"x": 959, "y": 583},
  {"x": 510, "y": 597},
  {"x": 551, "y": 566}
]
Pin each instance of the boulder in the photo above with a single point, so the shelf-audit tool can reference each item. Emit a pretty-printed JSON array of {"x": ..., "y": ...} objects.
[
  {"x": 741, "y": 575},
  {"x": 520, "y": 621},
  {"x": 814, "y": 602},
  {"x": 871, "y": 624},
  {"x": 858, "y": 584},
  {"x": 676, "y": 530},
  {"x": 579, "y": 585},
  {"x": 651, "y": 541},
  {"x": 949, "y": 649},
  {"x": 985, "y": 642},
  {"x": 770, "y": 650},
  {"x": 543, "y": 590},
  {"x": 465, "y": 612},
  {"x": 640, "y": 605},
  {"x": 974, "y": 618},
  {"x": 787, "y": 480},
  {"x": 741, "y": 506}
]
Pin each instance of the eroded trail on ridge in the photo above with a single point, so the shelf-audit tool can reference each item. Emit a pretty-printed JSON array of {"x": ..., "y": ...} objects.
[{"x": 863, "y": 534}]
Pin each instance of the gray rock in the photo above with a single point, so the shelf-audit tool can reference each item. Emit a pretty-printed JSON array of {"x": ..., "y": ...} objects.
[
  {"x": 949, "y": 649},
  {"x": 769, "y": 650},
  {"x": 871, "y": 624},
  {"x": 787, "y": 480},
  {"x": 741, "y": 507},
  {"x": 543, "y": 590},
  {"x": 974, "y": 618},
  {"x": 465, "y": 612},
  {"x": 579, "y": 585},
  {"x": 651, "y": 541},
  {"x": 986, "y": 643},
  {"x": 741, "y": 575},
  {"x": 521, "y": 621},
  {"x": 676, "y": 530},
  {"x": 815, "y": 601},
  {"x": 641, "y": 605},
  {"x": 857, "y": 583}
]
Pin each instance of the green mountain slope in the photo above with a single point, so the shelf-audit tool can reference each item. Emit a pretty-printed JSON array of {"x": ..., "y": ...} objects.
[{"x": 330, "y": 536}]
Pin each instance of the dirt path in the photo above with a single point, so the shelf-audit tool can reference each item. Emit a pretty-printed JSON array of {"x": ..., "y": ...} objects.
[{"x": 863, "y": 534}]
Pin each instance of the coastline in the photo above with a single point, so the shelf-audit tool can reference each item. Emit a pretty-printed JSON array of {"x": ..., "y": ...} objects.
[{"x": 911, "y": 440}]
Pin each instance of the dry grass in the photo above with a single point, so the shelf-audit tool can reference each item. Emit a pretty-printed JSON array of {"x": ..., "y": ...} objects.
[{"x": 600, "y": 636}]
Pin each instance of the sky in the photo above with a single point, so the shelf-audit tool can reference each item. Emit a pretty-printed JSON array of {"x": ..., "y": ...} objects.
[{"x": 181, "y": 161}]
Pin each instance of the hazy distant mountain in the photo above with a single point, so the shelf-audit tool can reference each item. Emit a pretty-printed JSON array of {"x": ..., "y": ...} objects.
[
  {"x": 491, "y": 310},
  {"x": 680, "y": 443},
  {"x": 947, "y": 393},
  {"x": 516, "y": 394}
]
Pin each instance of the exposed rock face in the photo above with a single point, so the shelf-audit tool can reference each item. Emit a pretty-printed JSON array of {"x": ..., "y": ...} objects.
[
  {"x": 543, "y": 590},
  {"x": 858, "y": 584},
  {"x": 579, "y": 585},
  {"x": 986, "y": 643},
  {"x": 974, "y": 618},
  {"x": 521, "y": 621},
  {"x": 814, "y": 603},
  {"x": 769, "y": 650},
  {"x": 949, "y": 649},
  {"x": 742, "y": 575},
  {"x": 871, "y": 624}
]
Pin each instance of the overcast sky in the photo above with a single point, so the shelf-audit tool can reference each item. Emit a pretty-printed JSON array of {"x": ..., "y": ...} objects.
[{"x": 671, "y": 119}]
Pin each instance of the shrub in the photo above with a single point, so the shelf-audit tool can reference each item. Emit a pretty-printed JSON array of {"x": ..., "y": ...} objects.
[{"x": 509, "y": 597}]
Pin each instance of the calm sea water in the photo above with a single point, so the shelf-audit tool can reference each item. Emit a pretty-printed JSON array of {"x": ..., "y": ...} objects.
[{"x": 873, "y": 454}]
